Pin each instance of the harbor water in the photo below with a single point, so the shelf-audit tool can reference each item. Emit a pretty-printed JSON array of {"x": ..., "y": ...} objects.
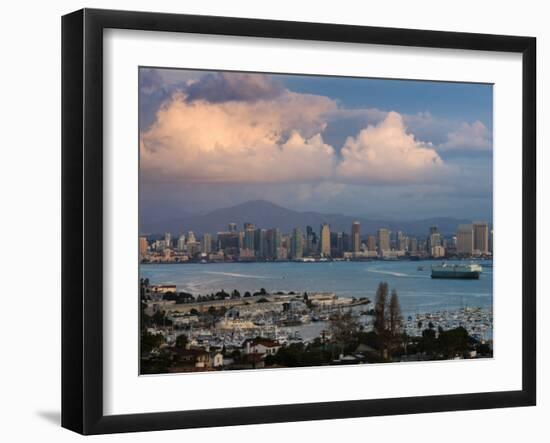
[{"x": 418, "y": 292}]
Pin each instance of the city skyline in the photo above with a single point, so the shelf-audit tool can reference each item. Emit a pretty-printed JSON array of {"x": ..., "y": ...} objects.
[
  {"x": 253, "y": 243},
  {"x": 363, "y": 147}
]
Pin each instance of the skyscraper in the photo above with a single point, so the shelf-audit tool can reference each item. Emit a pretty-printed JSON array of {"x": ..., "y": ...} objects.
[
  {"x": 232, "y": 227},
  {"x": 167, "y": 240},
  {"x": 401, "y": 241},
  {"x": 413, "y": 244},
  {"x": 434, "y": 239},
  {"x": 260, "y": 243},
  {"x": 181, "y": 242},
  {"x": 465, "y": 240},
  {"x": 383, "y": 240},
  {"x": 356, "y": 236},
  {"x": 371, "y": 243},
  {"x": 311, "y": 241},
  {"x": 325, "y": 240},
  {"x": 143, "y": 245},
  {"x": 249, "y": 236},
  {"x": 206, "y": 243},
  {"x": 481, "y": 236},
  {"x": 296, "y": 244}
]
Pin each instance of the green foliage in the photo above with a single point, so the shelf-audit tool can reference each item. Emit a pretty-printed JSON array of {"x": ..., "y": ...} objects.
[
  {"x": 150, "y": 341},
  {"x": 181, "y": 341}
]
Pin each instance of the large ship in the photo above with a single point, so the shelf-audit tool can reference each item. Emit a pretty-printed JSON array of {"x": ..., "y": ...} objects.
[{"x": 446, "y": 270}]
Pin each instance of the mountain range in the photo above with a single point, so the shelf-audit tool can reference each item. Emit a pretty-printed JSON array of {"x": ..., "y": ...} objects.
[{"x": 264, "y": 214}]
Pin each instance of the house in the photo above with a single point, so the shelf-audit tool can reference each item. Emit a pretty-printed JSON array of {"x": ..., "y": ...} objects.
[
  {"x": 261, "y": 346},
  {"x": 197, "y": 357},
  {"x": 217, "y": 360}
]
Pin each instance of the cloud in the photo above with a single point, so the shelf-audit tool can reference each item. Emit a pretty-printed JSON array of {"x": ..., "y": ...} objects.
[
  {"x": 277, "y": 140},
  {"x": 228, "y": 86},
  {"x": 248, "y": 128},
  {"x": 386, "y": 153},
  {"x": 474, "y": 136}
]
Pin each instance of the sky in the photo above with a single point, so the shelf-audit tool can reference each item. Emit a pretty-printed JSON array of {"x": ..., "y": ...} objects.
[{"x": 380, "y": 148}]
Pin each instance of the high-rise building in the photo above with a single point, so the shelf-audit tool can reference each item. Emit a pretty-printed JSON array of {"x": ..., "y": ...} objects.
[
  {"x": 260, "y": 243},
  {"x": 232, "y": 227},
  {"x": 383, "y": 240},
  {"x": 491, "y": 241},
  {"x": 249, "y": 236},
  {"x": 434, "y": 239},
  {"x": 481, "y": 237},
  {"x": 143, "y": 245},
  {"x": 273, "y": 242},
  {"x": 296, "y": 244},
  {"x": 191, "y": 237},
  {"x": 465, "y": 240},
  {"x": 167, "y": 240},
  {"x": 181, "y": 242},
  {"x": 371, "y": 243},
  {"x": 356, "y": 236},
  {"x": 206, "y": 243},
  {"x": 401, "y": 241},
  {"x": 413, "y": 244},
  {"x": 325, "y": 240},
  {"x": 311, "y": 241}
]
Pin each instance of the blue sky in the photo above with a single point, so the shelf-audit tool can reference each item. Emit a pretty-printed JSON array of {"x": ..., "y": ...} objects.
[{"x": 395, "y": 149}]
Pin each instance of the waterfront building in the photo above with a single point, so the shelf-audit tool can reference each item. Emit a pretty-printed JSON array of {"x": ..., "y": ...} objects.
[
  {"x": 465, "y": 240},
  {"x": 434, "y": 239},
  {"x": 481, "y": 236},
  {"x": 260, "y": 243},
  {"x": 413, "y": 244},
  {"x": 248, "y": 242},
  {"x": 336, "y": 244},
  {"x": 437, "y": 251},
  {"x": 491, "y": 241},
  {"x": 273, "y": 243},
  {"x": 191, "y": 237},
  {"x": 143, "y": 246},
  {"x": 311, "y": 241},
  {"x": 167, "y": 240},
  {"x": 383, "y": 240},
  {"x": 371, "y": 243},
  {"x": 181, "y": 243},
  {"x": 296, "y": 244},
  {"x": 193, "y": 248},
  {"x": 206, "y": 244},
  {"x": 356, "y": 236},
  {"x": 402, "y": 241},
  {"x": 325, "y": 240},
  {"x": 228, "y": 242}
]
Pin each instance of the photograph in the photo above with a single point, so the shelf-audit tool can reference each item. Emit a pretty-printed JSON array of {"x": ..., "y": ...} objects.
[{"x": 295, "y": 220}]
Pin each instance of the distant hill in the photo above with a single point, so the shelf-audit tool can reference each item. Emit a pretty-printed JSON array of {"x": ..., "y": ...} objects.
[{"x": 264, "y": 214}]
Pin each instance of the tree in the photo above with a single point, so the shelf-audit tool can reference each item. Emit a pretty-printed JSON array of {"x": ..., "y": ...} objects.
[
  {"x": 381, "y": 316},
  {"x": 235, "y": 294},
  {"x": 181, "y": 341},
  {"x": 395, "y": 322},
  {"x": 344, "y": 329}
]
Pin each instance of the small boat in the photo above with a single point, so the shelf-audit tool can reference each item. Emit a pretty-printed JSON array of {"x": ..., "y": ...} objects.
[{"x": 420, "y": 268}]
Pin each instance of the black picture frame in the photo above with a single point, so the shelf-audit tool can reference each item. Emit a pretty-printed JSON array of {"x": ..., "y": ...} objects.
[{"x": 82, "y": 218}]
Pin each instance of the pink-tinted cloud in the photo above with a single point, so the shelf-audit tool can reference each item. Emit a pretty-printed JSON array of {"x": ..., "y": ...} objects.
[
  {"x": 469, "y": 136},
  {"x": 386, "y": 153},
  {"x": 275, "y": 140}
]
